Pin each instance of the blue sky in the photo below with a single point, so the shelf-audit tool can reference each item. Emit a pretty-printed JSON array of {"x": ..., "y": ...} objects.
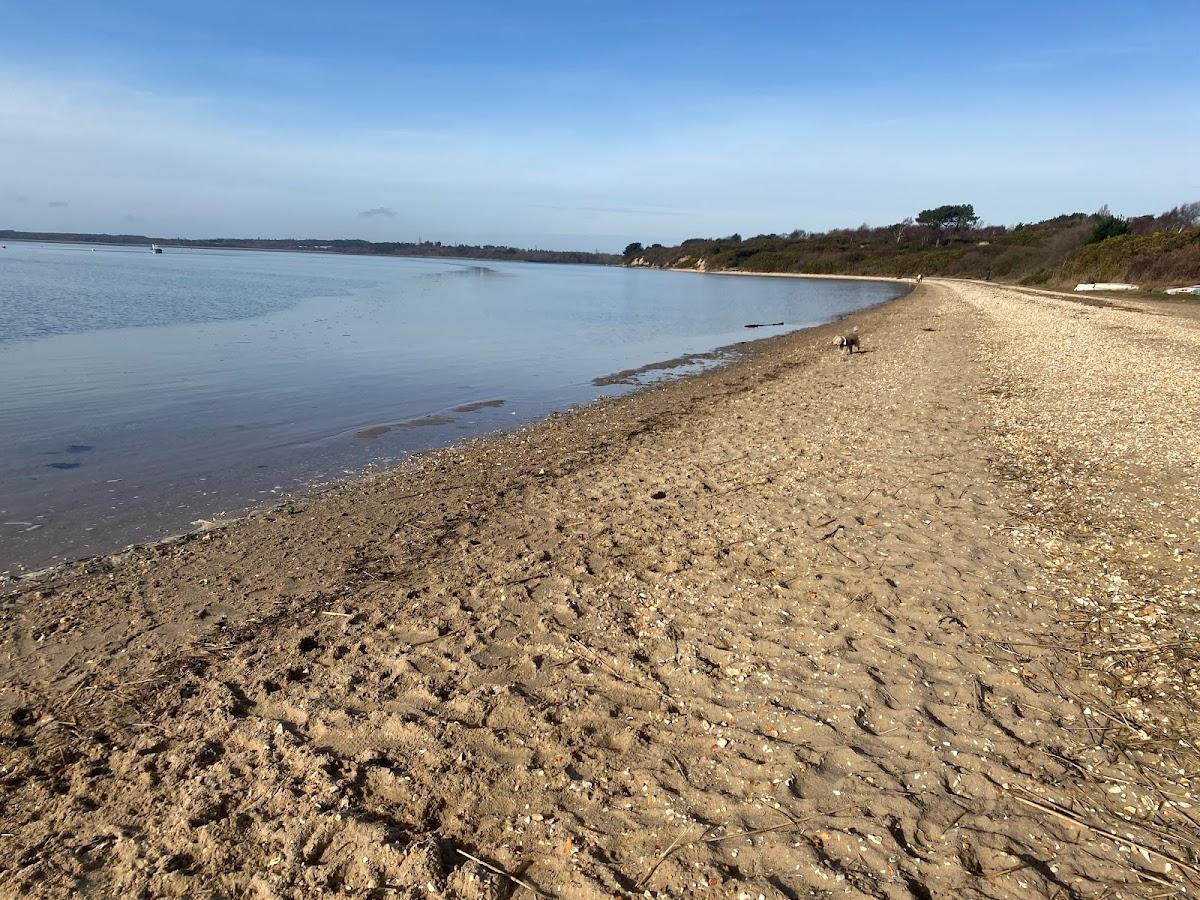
[{"x": 587, "y": 125}]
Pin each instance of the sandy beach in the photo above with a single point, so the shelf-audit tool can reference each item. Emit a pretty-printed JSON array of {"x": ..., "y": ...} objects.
[
  {"x": 811, "y": 275},
  {"x": 919, "y": 622}
]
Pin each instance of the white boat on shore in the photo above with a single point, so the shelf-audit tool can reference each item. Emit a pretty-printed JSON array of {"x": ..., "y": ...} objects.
[
  {"x": 1106, "y": 286},
  {"x": 155, "y": 248}
]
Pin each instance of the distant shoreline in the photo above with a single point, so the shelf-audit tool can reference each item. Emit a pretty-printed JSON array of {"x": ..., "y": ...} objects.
[
  {"x": 310, "y": 252},
  {"x": 330, "y": 247}
]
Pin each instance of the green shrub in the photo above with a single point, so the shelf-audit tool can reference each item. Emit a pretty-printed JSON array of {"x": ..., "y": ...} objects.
[{"x": 1108, "y": 227}]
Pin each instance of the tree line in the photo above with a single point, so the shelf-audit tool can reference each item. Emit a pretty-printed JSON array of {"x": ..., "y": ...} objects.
[{"x": 1157, "y": 249}]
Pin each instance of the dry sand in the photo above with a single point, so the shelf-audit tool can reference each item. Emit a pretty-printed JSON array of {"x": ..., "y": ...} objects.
[
  {"x": 919, "y": 622},
  {"x": 819, "y": 276}
]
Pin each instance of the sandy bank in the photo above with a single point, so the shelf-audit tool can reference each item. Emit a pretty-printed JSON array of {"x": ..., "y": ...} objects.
[
  {"x": 799, "y": 275},
  {"x": 855, "y": 626}
]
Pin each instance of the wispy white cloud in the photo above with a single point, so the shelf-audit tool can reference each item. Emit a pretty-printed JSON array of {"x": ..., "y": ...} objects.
[{"x": 772, "y": 163}]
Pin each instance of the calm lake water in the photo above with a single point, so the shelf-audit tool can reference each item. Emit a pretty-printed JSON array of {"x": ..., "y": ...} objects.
[{"x": 140, "y": 393}]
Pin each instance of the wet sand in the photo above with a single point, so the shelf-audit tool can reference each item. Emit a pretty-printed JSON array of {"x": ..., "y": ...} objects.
[
  {"x": 917, "y": 622},
  {"x": 633, "y": 376}
]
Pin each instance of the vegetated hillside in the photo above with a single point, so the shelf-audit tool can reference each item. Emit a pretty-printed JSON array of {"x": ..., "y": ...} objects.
[
  {"x": 1152, "y": 251},
  {"x": 1161, "y": 258},
  {"x": 317, "y": 245}
]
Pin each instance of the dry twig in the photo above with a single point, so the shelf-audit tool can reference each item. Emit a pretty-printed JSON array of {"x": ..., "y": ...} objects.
[
  {"x": 496, "y": 869},
  {"x": 1061, "y": 812}
]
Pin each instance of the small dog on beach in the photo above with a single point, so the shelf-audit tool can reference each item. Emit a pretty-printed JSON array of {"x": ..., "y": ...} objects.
[{"x": 848, "y": 343}]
